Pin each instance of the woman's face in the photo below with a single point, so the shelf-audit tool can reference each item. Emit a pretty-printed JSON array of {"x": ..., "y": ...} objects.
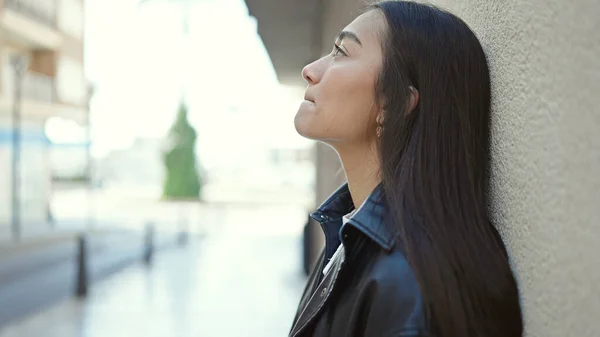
[{"x": 339, "y": 104}]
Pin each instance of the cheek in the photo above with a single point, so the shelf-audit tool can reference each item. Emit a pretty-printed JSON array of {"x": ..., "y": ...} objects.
[
  {"x": 344, "y": 107},
  {"x": 348, "y": 88},
  {"x": 349, "y": 99}
]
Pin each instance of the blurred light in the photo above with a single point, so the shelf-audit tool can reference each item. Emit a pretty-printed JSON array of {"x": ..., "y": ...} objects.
[{"x": 65, "y": 131}]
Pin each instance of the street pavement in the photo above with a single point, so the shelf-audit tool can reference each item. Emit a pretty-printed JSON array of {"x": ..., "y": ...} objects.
[{"x": 239, "y": 276}]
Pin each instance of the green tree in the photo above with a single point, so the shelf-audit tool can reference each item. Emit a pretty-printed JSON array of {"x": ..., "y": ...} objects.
[{"x": 182, "y": 178}]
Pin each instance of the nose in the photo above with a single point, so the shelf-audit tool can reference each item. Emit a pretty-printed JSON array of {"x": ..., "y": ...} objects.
[{"x": 311, "y": 73}]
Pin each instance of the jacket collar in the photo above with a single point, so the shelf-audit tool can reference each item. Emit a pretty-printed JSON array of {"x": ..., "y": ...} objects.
[{"x": 370, "y": 218}]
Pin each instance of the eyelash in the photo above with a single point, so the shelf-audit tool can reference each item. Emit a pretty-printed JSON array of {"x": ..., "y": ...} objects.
[{"x": 337, "y": 50}]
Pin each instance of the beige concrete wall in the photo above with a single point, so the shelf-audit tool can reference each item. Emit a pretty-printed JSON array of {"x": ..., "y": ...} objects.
[{"x": 545, "y": 64}]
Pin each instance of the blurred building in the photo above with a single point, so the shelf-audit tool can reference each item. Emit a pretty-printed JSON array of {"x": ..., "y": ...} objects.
[
  {"x": 122, "y": 166},
  {"x": 46, "y": 36}
]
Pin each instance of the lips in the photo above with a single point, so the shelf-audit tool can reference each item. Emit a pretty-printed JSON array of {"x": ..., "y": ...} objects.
[{"x": 309, "y": 98}]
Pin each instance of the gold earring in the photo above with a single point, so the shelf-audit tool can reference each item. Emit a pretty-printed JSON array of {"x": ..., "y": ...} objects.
[{"x": 379, "y": 121}]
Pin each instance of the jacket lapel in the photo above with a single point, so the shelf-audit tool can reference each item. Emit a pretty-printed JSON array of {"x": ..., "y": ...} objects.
[
  {"x": 319, "y": 297},
  {"x": 311, "y": 284}
]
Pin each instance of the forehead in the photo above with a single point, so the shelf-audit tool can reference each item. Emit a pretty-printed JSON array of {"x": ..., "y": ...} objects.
[{"x": 369, "y": 27}]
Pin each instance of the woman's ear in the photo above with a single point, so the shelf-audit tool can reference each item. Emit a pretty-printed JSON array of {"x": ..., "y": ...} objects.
[{"x": 413, "y": 100}]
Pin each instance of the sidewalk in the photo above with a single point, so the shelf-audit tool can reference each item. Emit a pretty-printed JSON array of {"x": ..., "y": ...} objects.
[{"x": 243, "y": 278}]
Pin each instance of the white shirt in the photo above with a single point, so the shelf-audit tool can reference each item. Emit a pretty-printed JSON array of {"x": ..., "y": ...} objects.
[{"x": 340, "y": 252}]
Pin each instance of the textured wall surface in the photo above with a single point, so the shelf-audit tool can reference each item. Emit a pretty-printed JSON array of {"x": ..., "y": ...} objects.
[{"x": 545, "y": 62}]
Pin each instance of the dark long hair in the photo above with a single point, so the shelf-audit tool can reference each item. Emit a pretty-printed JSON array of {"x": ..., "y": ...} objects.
[{"x": 435, "y": 171}]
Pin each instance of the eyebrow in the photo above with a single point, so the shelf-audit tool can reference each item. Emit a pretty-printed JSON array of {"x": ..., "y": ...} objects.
[{"x": 346, "y": 34}]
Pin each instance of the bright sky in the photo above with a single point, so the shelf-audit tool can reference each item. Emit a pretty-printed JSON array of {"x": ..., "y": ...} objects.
[{"x": 138, "y": 59}]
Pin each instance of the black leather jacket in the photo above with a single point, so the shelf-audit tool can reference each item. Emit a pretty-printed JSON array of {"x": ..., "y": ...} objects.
[{"x": 369, "y": 290}]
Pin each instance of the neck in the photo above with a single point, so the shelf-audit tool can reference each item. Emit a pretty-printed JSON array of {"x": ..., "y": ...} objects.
[{"x": 362, "y": 168}]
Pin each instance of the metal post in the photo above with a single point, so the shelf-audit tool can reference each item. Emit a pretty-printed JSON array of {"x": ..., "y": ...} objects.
[
  {"x": 182, "y": 237},
  {"x": 19, "y": 64},
  {"x": 149, "y": 243},
  {"x": 81, "y": 282},
  {"x": 89, "y": 167}
]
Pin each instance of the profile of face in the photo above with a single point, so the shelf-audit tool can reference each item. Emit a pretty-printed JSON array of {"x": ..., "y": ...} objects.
[{"x": 340, "y": 106}]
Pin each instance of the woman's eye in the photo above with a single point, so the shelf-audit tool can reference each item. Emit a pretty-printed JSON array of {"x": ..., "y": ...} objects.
[{"x": 337, "y": 51}]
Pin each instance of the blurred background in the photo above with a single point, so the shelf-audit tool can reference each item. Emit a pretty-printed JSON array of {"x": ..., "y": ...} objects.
[{"x": 152, "y": 182}]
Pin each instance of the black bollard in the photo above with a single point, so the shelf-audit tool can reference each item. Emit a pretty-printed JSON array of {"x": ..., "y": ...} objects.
[
  {"x": 182, "y": 238},
  {"x": 306, "y": 247},
  {"x": 184, "y": 222},
  {"x": 82, "y": 275},
  {"x": 149, "y": 243}
]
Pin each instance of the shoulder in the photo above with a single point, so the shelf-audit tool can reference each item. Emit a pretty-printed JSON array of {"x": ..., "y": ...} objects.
[
  {"x": 386, "y": 269},
  {"x": 391, "y": 277},
  {"x": 391, "y": 271},
  {"x": 390, "y": 291}
]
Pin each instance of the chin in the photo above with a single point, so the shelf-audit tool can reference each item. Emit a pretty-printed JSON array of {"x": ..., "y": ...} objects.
[
  {"x": 304, "y": 120},
  {"x": 307, "y": 123},
  {"x": 306, "y": 127},
  {"x": 302, "y": 125}
]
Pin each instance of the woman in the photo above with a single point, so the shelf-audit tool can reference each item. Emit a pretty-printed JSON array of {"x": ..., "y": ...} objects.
[{"x": 404, "y": 99}]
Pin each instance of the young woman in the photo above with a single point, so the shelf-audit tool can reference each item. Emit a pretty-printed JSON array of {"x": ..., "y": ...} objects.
[{"x": 404, "y": 99}]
